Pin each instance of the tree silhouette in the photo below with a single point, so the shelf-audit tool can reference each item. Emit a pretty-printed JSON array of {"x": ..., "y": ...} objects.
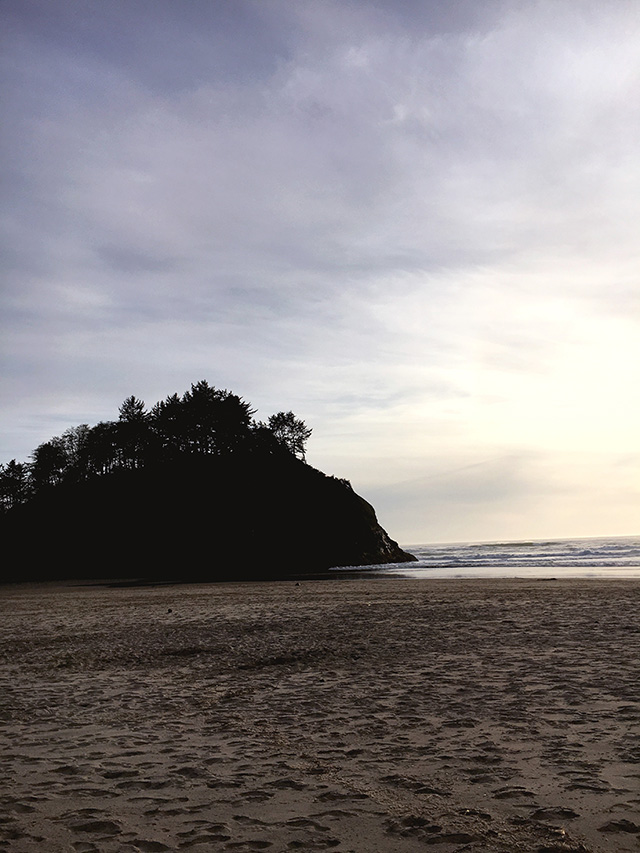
[
  {"x": 167, "y": 427},
  {"x": 132, "y": 411},
  {"x": 14, "y": 484},
  {"x": 101, "y": 448},
  {"x": 233, "y": 422},
  {"x": 201, "y": 414},
  {"x": 49, "y": 463},
  {"x": 133, "y": 433},
  {"x": 205, "y": 421},
  {"x": 74, "y": 441},
  {"x": 291, "y": 432}
]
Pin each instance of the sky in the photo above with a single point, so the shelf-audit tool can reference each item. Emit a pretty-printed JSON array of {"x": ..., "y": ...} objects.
[{"x": 415, "y": 223}]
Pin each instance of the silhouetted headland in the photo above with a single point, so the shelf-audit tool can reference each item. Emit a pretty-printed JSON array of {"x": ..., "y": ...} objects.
[{"x": 193, "y": 490}]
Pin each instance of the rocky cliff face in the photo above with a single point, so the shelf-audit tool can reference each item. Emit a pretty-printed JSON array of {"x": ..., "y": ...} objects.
[{"x": 201, "y": 518}]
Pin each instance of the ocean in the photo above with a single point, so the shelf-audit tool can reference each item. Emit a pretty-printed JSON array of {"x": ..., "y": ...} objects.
[{"x": 610, "y": 557}]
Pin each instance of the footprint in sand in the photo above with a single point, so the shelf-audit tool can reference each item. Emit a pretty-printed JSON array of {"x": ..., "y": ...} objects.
[
  {"x": 118, "y": 774},
  {"x": 284, "y": 784},
  {"x": 420, "y": 828},
  {"x": 622, "y": 825},
  {"x": 515, "y": 793},
  {"x": 209, "y": 838},
  {"x": 98, "y": 827},
  {"x": 305, "y": 823},
  {"x": 257, "y": 796},
  {"x": 336, "y": 796},
  {"x": 554, "y": 814}
]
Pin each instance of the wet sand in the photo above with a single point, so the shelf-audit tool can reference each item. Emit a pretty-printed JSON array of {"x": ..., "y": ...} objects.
[{"x": 366, "y": 715}]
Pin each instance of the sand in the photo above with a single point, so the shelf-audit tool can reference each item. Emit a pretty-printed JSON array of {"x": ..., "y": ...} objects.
[{"x": 365, "y": 715}]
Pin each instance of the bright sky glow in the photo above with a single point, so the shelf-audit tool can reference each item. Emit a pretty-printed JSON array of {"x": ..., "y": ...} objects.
[{"x": 415, "y": 224}]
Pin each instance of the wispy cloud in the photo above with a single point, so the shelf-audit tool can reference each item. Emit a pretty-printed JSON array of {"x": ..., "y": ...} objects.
[{"x": 416, "y": 226}]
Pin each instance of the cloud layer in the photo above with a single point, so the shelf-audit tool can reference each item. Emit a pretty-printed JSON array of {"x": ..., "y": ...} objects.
[{"x": 416, "y": 227}]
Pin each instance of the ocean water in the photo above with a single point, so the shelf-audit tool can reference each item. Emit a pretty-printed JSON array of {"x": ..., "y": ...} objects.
[{"x": 612, "y": 557}]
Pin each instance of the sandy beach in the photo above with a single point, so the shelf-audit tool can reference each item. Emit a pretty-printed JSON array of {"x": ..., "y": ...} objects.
[{"x": 357, "y": 716}]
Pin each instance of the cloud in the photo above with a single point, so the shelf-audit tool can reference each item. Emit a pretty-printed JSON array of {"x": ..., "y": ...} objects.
[{"x": 414, "y": 224}]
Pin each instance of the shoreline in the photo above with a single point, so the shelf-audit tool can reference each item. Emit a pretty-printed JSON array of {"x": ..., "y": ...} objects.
[
  {"x": 346, "y": 714},
  {"x": 348, "y": 573}
]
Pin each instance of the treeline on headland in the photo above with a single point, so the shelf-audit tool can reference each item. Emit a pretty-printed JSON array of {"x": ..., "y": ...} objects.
[
  {"x": 204, "y": 421},
  {"x": 193, "y": 488}
]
